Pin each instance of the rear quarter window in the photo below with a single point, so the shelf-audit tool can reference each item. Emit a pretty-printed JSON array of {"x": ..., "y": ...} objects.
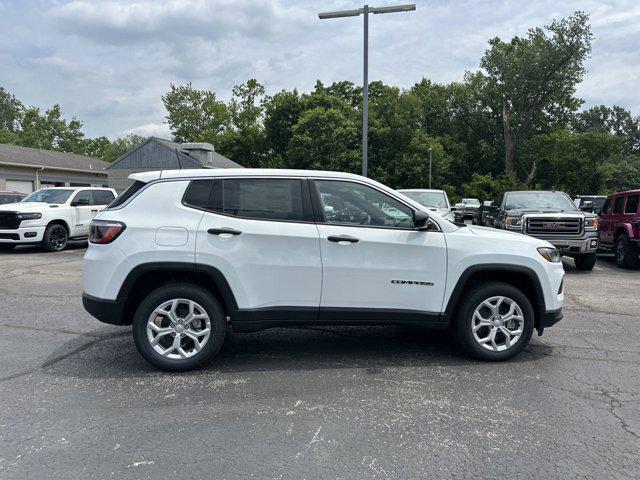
[{"x": 127, "y": 194}]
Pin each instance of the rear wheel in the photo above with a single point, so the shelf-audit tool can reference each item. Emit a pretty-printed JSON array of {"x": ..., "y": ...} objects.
[
  {"x": 626, "y": 256},
  {"x": 55, "y": 238},
  {"x": 494, "y": 322},
  {"x": 179, "y": 327},
  {"x": 586, "y": 261}
]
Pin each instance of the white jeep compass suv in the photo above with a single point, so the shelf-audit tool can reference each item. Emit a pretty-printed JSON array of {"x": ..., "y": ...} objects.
[{"x": 184, "y": 254}]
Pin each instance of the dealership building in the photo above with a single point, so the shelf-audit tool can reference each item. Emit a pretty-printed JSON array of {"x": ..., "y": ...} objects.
[{"x": 24, "y": 169}]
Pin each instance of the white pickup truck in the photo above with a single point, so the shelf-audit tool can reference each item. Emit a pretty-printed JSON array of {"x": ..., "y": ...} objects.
[{"x": 52, "y": 216}]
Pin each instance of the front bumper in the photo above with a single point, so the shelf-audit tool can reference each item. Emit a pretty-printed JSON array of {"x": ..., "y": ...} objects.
[
  {"x": 22, "y": 235},
  {"x": 588, "y": 243}
]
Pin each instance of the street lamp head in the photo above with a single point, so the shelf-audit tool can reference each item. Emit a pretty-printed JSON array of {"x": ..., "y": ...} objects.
[
  {"x": 354, "y": 13},
  {"x": 340, "y": 14},
  {"x": 394, "y": 8}
]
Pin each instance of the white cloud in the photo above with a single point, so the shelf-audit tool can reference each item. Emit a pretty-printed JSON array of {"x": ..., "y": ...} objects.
[
  {"x": 149, "y": 130},
  {"x": 109, "y": 62}
]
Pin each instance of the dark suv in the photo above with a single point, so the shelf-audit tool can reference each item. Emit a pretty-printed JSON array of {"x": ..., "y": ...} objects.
[
  {"x": 551, "y": 216},
  {"x": 620, "y": 227}
]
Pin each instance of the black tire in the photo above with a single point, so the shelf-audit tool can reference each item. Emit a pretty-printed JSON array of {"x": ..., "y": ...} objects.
[
  {"x": 6, "y": 247},
  {"x": 586, "y": 261},
  {"x": 55, "y": 237},
  {"x": 463, "y": 327},
  {"x": 626, "y": 256},
  {"x": 190, "y": 292}
]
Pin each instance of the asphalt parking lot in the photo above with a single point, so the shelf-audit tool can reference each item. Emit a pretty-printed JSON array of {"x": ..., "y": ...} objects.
[{"x": 349, "y": 403}]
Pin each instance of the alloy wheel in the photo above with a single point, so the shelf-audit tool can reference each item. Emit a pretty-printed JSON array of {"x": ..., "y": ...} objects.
[
  {"x": 178, "y": 328},
  {"x": 58, "y": 237},
  {"x": 497, "y": 323}
]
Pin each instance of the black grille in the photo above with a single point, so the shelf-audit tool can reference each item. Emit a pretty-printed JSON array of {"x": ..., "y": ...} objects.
[
  {"x": 9, "y": 236},
  {"x": 9, "y": 221},
  {"x": 554, "y": 226}
]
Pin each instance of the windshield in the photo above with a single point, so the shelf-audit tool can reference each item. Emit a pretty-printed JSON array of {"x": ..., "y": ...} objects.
[
  {"x": 471, "y": 201},
  {"x": 428, "y": 199},
  {"x": 539, "y": 201},
  {"x": 49, "y": 195}
]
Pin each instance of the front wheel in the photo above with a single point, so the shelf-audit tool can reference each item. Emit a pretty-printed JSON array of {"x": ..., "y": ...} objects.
[
  {"x": 179, "y": 327},
  {"x": 586, "y": 261},
  {"x": 55, "y": 238},
  {"x": 494, "y": 322}
]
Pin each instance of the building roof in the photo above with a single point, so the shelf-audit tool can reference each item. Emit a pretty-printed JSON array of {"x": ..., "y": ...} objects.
[
  {"x": 30, "y": 157},
  {"x": 174, "y": 155}
]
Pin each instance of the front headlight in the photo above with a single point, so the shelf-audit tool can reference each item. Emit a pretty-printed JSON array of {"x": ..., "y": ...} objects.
[
  {"x": 29, "y": 216},
  {"x": 550, "y": 254},
  {"x": 591, "y": 223},
  {"x": 514, "y": 222}
]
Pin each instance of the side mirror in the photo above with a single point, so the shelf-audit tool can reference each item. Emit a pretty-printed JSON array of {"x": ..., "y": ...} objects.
[
  {"x": 420, "y": 219},
  {"x": 80, "y": 202}
]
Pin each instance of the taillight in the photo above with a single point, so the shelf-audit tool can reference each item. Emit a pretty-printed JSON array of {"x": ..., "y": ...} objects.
[{"x": 105, "y": 231}]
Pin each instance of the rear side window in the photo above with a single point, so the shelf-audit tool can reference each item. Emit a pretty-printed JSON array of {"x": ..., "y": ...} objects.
[
  {"x": 632, "y": 204},
  {"x": 198, "y": 193},
  {"x": 127, "y": 194},
  {"x": 102, "y": 197},
  {"x": 617, "y": 205},
  {"x": 260, "y": 198}
]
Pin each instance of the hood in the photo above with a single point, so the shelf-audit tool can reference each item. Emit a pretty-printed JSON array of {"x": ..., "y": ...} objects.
[
  {"x": 27, "y": 207},
  {"x": 489, "y": 232}
]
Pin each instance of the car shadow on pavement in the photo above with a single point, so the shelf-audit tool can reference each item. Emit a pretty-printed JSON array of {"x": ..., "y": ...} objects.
[
  {"x": 30, "y": 249},
  {"x": 280, "y": 349}
]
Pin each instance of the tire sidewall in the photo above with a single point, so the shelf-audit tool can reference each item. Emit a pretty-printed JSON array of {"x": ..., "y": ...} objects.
[
  {"x": 169, "y": 292},
  {"x": 463, "y": 329}
]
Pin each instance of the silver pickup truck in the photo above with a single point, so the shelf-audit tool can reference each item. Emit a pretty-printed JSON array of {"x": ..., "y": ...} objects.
[{"x": 551, "y": 216}]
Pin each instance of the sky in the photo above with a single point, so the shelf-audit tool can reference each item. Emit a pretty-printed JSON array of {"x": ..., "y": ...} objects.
[{"x": 109, "y": 62}]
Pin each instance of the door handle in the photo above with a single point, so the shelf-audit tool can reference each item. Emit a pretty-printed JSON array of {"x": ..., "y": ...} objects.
[
  {"x": 223, "y": 231},
  {"x": 94, "y": 211},
  {"x": 343, "y": 238}
]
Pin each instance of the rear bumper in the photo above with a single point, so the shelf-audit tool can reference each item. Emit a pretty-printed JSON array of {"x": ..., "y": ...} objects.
[
  {"x": 107, "y": 311},
  {"x": 550, "y": 318}
]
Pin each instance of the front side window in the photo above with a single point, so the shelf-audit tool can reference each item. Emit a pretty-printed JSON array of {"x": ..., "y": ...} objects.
[
  {"x": 49, "y": 195},
  {"x": 606, "y": 207},
  {"x": 632, "y": 204},
  {"x": 617, "y": 205},
  {"x": 356, "y": 204},
  {"x": 83, "y": 198},
  {"x": 260, "y": 198}
]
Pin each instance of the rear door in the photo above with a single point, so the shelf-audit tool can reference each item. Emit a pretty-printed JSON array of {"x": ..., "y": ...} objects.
[
  {"x": 260, "y": 233},
  {"x": 373, "y": 257}
]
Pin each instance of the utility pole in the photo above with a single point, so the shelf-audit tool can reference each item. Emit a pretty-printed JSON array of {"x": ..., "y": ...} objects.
[
  {"x": 365, "y": 73},
  {"x": 430, "y": 152}
]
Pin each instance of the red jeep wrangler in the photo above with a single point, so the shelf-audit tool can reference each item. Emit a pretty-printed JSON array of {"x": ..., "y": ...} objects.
[{"x": 619, "y": 228}]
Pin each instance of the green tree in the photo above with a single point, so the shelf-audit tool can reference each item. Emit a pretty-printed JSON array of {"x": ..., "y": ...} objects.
[
  {"x": 108, "y": 151},
  {"x": 616, "y": 121},
  {"x": 50, "y": 131},
  {"x": 195, "y": 115},
  {"x": 10, "y": 111},
  {"x": 532, "y": 80}
]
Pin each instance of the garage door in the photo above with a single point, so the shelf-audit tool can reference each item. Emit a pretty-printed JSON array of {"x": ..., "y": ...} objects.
[{"x": 22, "y": 186}]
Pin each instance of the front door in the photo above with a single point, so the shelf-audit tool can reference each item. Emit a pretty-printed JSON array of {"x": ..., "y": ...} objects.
[
  {"x": 373, "y": 257},
  {"x": 260, "y": 233},
  {"x": 83, "y": 205}
]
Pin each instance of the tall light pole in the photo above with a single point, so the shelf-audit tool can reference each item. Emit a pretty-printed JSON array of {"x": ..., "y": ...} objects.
[
  {"x": 365, "y": 73},
  {"x": 430, "y": 151}
]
